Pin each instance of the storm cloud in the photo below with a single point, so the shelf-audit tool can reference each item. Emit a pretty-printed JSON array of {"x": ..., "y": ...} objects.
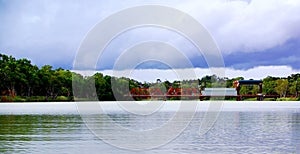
[{"x": 249, "y": 33}]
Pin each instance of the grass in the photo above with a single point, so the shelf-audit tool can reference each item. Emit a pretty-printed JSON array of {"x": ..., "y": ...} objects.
[
  {"x": 34, "y": 99},
  {"x": 68, "y": 99},
  {"x": 287, "y": 99},
  {"x": 249, "y": 99},
  {"x": 269, "y": 99}
]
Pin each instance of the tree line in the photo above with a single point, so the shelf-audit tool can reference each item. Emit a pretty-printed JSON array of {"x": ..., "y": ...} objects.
[{"x": 20, "y": 80}]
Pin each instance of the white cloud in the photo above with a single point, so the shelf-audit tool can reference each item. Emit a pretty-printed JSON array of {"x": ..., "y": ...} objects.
[
  {"x": 150, "y": 75},
  {"x": 261, "y": 72},
  {"x": 247, "y": 27},
  {"x": 49, "y": 32}
]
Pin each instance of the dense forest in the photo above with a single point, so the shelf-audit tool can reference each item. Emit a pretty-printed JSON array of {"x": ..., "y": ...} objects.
[{"x": 20, "y": 80}]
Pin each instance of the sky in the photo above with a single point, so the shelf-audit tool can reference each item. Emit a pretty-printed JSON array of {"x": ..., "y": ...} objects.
[{"x": 256, "y": 37}]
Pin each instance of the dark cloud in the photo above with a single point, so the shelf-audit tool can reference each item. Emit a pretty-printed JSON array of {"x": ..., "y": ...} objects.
[
  {"x": 285, "y": 54},
  {"x": 249, "y": 34}
]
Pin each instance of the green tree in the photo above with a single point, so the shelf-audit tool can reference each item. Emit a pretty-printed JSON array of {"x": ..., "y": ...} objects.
[
  {"x": 281, "y": 87},
  {"x": 101, "y": 86},
  {"x": 229, "y": 82},
  {"x": 46, "y": 76},
  {"x": 78, "y": 83},
  {"x": 269, "y": 85},
  {"x": 10, "y": 74},
  {"x": 28, "y": 77}
]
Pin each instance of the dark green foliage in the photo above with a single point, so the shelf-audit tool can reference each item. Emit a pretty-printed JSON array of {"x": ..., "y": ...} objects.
[{"x": 21, "y": 81}]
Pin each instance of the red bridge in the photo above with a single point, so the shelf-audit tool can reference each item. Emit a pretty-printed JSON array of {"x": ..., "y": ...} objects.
[{"x": 196, "y": 93}]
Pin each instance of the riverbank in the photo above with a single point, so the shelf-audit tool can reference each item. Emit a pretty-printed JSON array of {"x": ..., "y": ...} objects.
[
  {"x": 162, "y": 106},
  {"x": 71, "y": 99},
  {"x": 35, "y": 99}
]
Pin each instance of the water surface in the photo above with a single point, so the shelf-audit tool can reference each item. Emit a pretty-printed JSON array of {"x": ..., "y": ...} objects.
[{"x": 246, "y": 131}]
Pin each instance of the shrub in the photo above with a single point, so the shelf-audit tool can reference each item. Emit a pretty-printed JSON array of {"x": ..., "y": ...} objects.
[
  {"x": 36, "y": 99},
  {"x": 250, "y": 99},
  {"x": 62, "y": 98},
  {"x": 269, "y": 99},
  {"x": 287, "y": 99},
  {"x": 19, "y": 99},
  {"x": 6, "y": 99}
]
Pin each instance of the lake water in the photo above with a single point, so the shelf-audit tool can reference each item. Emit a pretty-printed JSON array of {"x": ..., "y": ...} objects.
[{"x": 58, "y": 128}]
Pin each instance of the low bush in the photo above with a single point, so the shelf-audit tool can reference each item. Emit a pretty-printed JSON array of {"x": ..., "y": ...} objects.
[
  {"x": 19, "y": 99},
  {"x": 269, "y": 99},
  {"x": 36, "y": 99},
  {"x": 63, "y": 98},
  {"x": 6, "y": 99},
  {"x": 250, "y": 99},
  {"x": 287, "y": 99}
]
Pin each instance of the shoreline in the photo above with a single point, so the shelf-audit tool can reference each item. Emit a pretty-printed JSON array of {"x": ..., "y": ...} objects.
[{"x": 58, "y": 108}]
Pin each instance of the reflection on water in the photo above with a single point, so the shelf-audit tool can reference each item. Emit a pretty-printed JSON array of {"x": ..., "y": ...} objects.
[
  {"x": 234, "y": 132},
  {"x": 296, "y": 130},
  {"x": 28, "y": 133}
]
